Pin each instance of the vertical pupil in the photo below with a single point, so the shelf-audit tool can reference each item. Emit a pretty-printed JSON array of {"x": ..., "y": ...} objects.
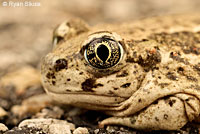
[{"x": 103, "y": 52}]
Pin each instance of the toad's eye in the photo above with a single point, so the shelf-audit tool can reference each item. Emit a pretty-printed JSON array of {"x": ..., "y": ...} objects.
[{"x": 103, "y": 52}]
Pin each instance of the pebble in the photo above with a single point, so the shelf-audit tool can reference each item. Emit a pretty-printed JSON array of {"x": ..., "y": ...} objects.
[
  {"x": 25, "y": 130},
  {"x": 3, "y": 128},
  {"x": 59, "y": 129},
  {"x": 50, "y": 126},
  {"x": 50, "y": 112},
  {"x": 2, "y": 112},
  {"x": 96, "y": 131},
  {"x": 81, "y": 130},
  {"x": 32, "y": 105}
]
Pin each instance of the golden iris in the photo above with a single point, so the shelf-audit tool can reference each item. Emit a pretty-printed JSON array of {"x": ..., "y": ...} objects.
[{"x": 103, "y": 52}]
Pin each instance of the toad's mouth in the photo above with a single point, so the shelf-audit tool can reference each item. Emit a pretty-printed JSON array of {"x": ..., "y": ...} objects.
[{"x": 88, "y": 101}]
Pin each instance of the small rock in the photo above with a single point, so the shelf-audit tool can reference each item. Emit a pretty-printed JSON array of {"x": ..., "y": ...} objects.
[
  {"x": 81, "y": 130},
  {"x": 59, "y": 129},
  {"x": 3, "y": 128},
  {"x": 2, "y": 112},
  {"x": 25, "y": 130},
  {"x": 112, "y": 129},
  {"x": 54, "y": 112},
  {"x": 96, "y": 131},
  {"x": 50, "y": 126},
  {"x": 32, "y": 105}
]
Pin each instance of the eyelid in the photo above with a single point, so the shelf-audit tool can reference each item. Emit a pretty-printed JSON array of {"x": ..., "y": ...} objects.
[{"x": 100, "y": 34}]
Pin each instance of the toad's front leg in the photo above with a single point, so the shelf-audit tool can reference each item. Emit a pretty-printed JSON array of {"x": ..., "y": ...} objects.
[
  {"x": 158, "y": 104},
  {"x": 169, "y": 113}
]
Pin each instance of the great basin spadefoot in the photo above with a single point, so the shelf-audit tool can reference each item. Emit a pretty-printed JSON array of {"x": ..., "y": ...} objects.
[{"x": 145, "y": 74}]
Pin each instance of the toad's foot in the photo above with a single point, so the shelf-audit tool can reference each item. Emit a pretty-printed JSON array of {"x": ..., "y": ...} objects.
[{"x": 170, "y": 113}]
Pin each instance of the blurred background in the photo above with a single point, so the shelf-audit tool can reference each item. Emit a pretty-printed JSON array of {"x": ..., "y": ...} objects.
[{"x": 26, "y": 31}]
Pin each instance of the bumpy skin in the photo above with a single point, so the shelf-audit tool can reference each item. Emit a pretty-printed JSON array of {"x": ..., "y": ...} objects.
[{"x": 156, "y": 84}]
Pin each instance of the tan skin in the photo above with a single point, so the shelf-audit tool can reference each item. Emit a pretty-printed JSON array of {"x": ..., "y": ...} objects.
[{"x": 148, "y": 76}]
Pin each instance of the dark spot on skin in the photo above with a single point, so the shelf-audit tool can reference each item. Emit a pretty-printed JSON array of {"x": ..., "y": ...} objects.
[
  {"x": 192, "y": 49},
  {"x": 167, "y": 67},
  {"x": 134, "y": 72},
  {"x": 165, "y": 116},
  {"x": 130, "y": 59},
  {"x": 163, "y": 85},
  {"x": 197, "y": 68},
  {"x": 50, "y": 75},
  {"x": 120, "y": 64},
  {"x": 155, "y": 82},
  {"x": 171, "y": 102},
  {"x": 115, "y": 88},
  {"x": 172, "y": 76},
  {"x": 135, "y": 66},
  {"x": 98, "y": 85},
  {"x": 123, "y": 74},
  {"x": 156, "y": 118},
  {"x": 191, "y": 78},
  {"x": 110, "y": 92},
  {"x": 153, "y": 58},
  {"x": 81, "y": 73},
  {"x": 197, "y": 87},
  {"x": 140, "y": 100},
  {"x": 177, "y": 57},
  {"x": 68, "y": 79},
  {"x": 132, "y": 120},
  {"x": 53, "y": 82},
  {"x": 90, "y": 83},
  {"x": 140, "y": 79},
  {"x": 134, "y": 54},
  {"x": 145, "y": 39},
  {"x": 187, "y": 99},
  {"x": 180, "y": 69},
  {"x": 155, "y": 102},
  {"x": 67, "y": 90},
  {"x": 109, "y": 81},
  {"x": 155, "y": 68},
  {"x": 60, "y": 64},
  {"x": 126, "y": 85},
  {"x": 159, "y": 77}
]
